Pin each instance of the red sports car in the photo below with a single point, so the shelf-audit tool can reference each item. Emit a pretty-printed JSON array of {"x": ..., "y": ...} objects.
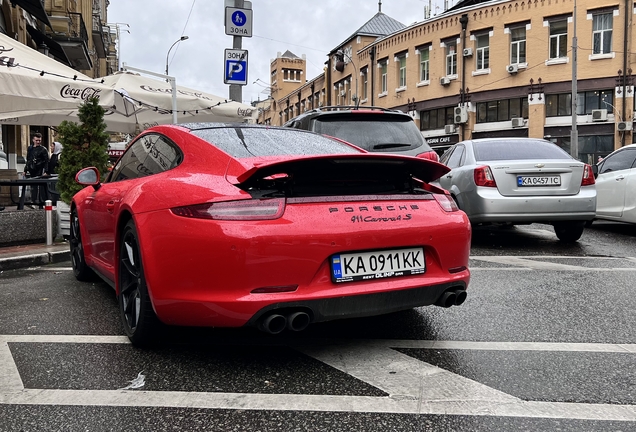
[{"x": 238, "y": 225}]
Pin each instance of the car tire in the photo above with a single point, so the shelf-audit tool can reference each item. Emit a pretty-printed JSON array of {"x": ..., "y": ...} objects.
[
  {"x": 78, "y": 261},
  {"x": 569, "y": 232},
  {"x": 135, "y": 307}
]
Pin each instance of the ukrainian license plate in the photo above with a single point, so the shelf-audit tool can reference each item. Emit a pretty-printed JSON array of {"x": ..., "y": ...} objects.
[
  {"x": 554, "y": 180},
  {"x": 377, "y": 265}
]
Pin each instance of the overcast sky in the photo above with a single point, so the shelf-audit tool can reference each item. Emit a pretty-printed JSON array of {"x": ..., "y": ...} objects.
[{"x": 309, "y": 27}]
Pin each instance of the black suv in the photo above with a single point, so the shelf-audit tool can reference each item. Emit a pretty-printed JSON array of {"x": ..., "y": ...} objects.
[{"x": 371, "y": 128}]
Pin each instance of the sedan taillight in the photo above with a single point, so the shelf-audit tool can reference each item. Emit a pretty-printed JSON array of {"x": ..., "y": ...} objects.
[
  {"x": 267, "y": 209},
  {"x": 483, "y": 177},
  {"x": 430, "y": 155},
  {"x": 588, "y": 176}
]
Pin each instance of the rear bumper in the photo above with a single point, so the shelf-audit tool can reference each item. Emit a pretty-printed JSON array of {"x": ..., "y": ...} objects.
[{"x": 489, "y": 206}]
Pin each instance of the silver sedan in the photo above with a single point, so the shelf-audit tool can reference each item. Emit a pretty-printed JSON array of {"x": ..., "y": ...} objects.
[{"x": 521, "y": 181}]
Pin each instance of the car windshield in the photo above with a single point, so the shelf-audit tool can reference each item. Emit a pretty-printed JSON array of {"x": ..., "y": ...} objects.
[
  {"x": 373, "y": 132},
  {"x": 517, "y": 150},
  {"x": 247, "y": 142}
]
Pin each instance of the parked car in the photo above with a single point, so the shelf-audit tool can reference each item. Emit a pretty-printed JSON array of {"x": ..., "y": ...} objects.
[
  {"x": 616, "y": 185},
  {"x": 373, "y": 129},
  {"x": 520, "y": 181},
  {"x": 237, "y": 225}
]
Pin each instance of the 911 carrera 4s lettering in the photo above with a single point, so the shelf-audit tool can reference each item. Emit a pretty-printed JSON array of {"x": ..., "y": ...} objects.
[{"x": 405, "y": 217}]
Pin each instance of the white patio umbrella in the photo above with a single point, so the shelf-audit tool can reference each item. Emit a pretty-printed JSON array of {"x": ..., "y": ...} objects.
[{"x": 32, "y": 83}]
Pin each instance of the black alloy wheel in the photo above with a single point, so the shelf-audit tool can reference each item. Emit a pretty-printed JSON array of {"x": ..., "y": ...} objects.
[
  {"x": 81, "y": 271},
  {"x": 137, "y": 315}
]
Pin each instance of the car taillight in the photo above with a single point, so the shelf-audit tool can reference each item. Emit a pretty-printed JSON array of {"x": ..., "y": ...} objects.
[
  {"x": 588, "y": 176},
  {"x": 446, "y": 202},
  {"x": 430, "y": 155},
  {"x": 266, "y": 209},
  {"x": 484, "y": 177}
]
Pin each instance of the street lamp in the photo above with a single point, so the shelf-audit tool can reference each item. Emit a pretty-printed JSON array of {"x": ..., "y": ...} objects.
[{"x": 182, "y": 38}]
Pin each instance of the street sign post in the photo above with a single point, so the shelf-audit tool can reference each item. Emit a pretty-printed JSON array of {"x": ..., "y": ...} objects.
[
  {"x": 238, "y": 22},
  {"x": 235, "y": 67}
]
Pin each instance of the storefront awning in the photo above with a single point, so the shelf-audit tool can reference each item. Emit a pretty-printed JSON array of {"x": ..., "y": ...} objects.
[{"x": 35, "y": 8}]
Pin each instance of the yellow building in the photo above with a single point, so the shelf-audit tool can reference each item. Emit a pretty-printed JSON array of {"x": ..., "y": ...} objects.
[{"x": 485, "y": 69}]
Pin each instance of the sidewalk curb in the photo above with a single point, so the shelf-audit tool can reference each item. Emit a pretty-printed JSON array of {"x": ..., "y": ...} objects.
[{"x": 34, "y": 260}]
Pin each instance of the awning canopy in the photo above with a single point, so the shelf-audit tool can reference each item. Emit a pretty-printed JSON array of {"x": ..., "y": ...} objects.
[{"x": 35, "y": 8}]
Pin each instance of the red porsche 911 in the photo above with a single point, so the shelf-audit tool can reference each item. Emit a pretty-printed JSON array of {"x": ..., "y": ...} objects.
[{"x": 237, "y": 225}]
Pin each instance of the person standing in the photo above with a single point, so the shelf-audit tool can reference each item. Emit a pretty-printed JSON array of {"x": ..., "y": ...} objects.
[
  {"x": 38, "y": 158},
  {"x": 56, "y": 150}
]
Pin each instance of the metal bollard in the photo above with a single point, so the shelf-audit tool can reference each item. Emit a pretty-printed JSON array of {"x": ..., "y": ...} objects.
[{"x": 48, "y": 207}]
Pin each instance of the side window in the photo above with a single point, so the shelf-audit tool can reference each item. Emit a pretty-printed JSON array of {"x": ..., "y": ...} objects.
[
  {"x": 150, "y": 154},
  {"x": 456, "y": 158},
  {"x": 447, "y": 154},
  {"x": 618, "y": 161}
]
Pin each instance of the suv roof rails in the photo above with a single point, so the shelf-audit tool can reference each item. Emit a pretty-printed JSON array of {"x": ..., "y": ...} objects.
[{"x": 350, "y": 107}]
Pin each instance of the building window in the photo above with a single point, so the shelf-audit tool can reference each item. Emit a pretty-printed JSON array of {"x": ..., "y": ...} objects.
[
  {"x": 518, "y": 45},
  {"x": 451, "y": 58},
  {"x": 501, "y": 110},
  {"x": 401, "y": 66},
  {"x": 558, "y": 39},
  {"x": 602, "y": 33},
  {"x": 436, "y": 118},
  {"x": 291, "y": 75},
  {"x": 558, "y": 105},
  {"x": 365, "y": 83},
  {"x": 383, "y": 74},
  {"x": 424, "y": 64},
  {"x": 483, "y": 51}
]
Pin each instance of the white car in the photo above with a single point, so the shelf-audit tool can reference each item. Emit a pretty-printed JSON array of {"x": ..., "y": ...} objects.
[{"x": 616, "y": 186}]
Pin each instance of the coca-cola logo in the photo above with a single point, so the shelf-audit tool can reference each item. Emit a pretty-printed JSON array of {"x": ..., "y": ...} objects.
[
  {"x": 6, "y": 60},
  {"x": 82, "y": 93},
  {"x": 244, "y": 112}
]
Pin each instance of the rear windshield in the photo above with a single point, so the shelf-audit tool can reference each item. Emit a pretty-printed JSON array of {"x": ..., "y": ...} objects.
[
  {"x": 372, "y": 132},
  {"x": 517, "y": 150},
  {"x": 241, "y": 142}
]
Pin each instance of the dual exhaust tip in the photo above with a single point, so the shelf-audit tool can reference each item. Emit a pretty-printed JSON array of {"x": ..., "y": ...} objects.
[
  {"x": 275, "y": 323},
  {"x": 451, "y": 298}
]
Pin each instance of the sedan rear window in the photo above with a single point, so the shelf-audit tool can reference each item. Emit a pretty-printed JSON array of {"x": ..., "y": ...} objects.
[
  {"x": 247, "y": 142},
  {"x": 517, "y": 150},
  {"x": 372, "y": 132}
]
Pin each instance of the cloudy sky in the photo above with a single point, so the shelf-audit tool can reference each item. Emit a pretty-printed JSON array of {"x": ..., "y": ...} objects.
[{"x": 309, "y": 27}]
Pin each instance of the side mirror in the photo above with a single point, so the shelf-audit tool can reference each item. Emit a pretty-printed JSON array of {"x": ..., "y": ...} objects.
[{"x": 88, "y": 177}]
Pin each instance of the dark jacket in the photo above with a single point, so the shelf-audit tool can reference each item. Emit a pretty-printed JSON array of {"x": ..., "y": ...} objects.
[{"x": 38, "y": 162}]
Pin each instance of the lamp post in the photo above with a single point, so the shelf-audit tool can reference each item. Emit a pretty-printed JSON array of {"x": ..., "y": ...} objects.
[{"x": 182, "y": 38}]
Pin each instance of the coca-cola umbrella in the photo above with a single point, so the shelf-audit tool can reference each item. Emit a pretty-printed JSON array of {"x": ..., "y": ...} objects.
[{"x": 32, "y": 83}]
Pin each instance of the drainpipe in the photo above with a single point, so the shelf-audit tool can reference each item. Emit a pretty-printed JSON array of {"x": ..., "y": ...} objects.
[
  {"x": 464, "y": 22},
  {"x": 627, "y": 14},
  {"x": 328, "y": 89},
  {"x": 372, "y": 67}
]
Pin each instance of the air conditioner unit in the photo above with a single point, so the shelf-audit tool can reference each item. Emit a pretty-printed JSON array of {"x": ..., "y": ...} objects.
[
  {"x": 518, "y": 122},
  {"x": 450, "y": 129},
  {"x": 468, "y": 52},
  {"x": 512, "y": 68},
  {"x": 343, "y": 93},
  {"x": 599, "y": 115},
  {"x": 623, "y": 126},
  {"x": 444, "y": 81},
  {"x": 461, "y": 115}
]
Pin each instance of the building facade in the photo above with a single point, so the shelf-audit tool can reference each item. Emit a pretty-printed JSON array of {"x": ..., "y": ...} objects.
[
  {"x": 489, "y": 69},
  {"x": 73, "y": 32}
]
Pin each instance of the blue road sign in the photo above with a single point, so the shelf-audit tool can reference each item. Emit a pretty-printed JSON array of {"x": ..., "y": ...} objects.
[
  {"x": 239, "y": 19},
  {"x": 235, "y": 67}
]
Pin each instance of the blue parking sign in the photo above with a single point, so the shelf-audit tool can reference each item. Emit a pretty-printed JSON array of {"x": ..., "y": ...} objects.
[{"x": 235, "y": 67}]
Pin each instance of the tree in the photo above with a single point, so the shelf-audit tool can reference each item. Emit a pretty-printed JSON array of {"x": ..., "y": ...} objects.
[{"x": 84, "y": 145}]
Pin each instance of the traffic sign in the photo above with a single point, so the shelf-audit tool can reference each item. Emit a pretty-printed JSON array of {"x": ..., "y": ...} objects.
[
  {"x": 238, "y": 22},
  {"x": 235, "y": 67}
]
